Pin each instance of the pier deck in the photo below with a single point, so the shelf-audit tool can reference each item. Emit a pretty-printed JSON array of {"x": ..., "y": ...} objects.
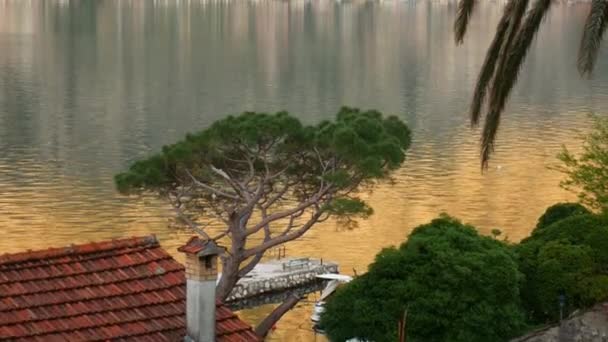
[{"x": 280, "y": 275}]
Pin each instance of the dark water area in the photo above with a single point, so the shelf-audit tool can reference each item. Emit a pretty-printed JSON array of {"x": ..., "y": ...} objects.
[{"x": 87, "y": 87}]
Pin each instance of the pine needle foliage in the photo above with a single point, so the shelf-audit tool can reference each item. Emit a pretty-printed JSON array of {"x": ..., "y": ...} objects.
[{"x": 267, "y": 179}]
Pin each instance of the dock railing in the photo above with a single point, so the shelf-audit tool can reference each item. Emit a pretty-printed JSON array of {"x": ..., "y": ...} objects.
[
  {"x": 278, "y": 252},
  {"x": 295, "y": 264}
]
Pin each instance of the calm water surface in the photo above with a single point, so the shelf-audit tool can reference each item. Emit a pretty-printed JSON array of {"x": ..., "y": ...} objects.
[{"x": 86, "y": 87}]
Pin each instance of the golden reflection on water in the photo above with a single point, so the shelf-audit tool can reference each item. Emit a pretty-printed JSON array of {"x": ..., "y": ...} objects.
[
  {"x": 510, "y": 196},
  {"x": 88, "y": 87}
]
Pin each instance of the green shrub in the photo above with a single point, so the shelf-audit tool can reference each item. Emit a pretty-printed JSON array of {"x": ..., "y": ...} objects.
[
  {"x": 559, "y": 212},
  {"x": 569, "y": 256},
  {"x": 558, "y": 269},
  {"x": 459, "y": 286},
  {"x": 589, "y": 230},
  {"x": 586, "y": 172},
  {"x": 455, "y": 285}
]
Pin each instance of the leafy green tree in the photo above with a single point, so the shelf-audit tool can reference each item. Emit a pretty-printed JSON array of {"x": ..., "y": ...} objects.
[
  {"x": 589, "y": 230},
  {"x": 454, "y": 284},
  {"x": 567, "y": 257},
  {"x": 268, "y": 179},
  {"x": 587, "y": 174},
  {"x": 559, "y": 212},
  {"x": 515, "y": 33},
  {"x": 559, "y": 267}
]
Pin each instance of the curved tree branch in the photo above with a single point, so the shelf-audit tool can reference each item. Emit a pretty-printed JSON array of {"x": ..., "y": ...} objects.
[
  {"x": 256, "y": 258},
  {"x": 193, "y": 225},
  {"x": 212, "y": 190},
  {"x": 285, "y": 237},
  {"x": 264, "y": 327},
  {"x": 314, "y": 199}
]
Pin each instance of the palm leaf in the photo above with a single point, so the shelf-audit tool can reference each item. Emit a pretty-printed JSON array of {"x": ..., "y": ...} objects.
[
  {"x": 517, "y": 14},
  {"x": 592, "y": 36},
  {"x": 489, "y": 64},
  {"x": 465, "y": 9},
  {"x": 503, "y": 83},
  {"x": 517, "y": 11}
]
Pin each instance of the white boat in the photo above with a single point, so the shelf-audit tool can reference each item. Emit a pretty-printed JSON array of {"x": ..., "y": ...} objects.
[{"x": 334, "y": 281}]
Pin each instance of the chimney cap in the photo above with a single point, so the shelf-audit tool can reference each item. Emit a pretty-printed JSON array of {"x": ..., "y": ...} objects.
[{"x": 200, "y": 248}]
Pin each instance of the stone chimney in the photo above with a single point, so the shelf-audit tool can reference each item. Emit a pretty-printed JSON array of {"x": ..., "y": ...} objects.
[{"x": 201, "y": 278}]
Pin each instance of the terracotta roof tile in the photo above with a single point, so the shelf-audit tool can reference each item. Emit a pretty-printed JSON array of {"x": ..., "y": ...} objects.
[
  {"x": 193, "y": 246},
  {"x": 126, "y": 290}
]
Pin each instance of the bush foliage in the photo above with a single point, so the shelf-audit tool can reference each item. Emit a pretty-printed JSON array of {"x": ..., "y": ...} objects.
[
  {"x": 455, "y": 285},
  {"x": 568, "y": 257},
  {"x": 559, "y": 212},
  {"x": 459, "y": 286},
  {"x": 586, "y": 172}
]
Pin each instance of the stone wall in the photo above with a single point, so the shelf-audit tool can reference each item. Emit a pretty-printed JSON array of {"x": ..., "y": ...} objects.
[
  {"x": 276, "y": 297},
  {"x": 280, "y": 281},
  {"x": 587, "y": 326}
]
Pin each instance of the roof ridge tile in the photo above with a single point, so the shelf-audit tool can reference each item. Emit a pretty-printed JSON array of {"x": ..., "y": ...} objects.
[
  {"x": 64, "y": 274},
  {"x": 86, "y": 248}
]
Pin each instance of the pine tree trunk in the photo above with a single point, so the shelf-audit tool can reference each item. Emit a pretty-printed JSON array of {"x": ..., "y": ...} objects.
[
  {"x": 232, "y": 262},
  {"x": 230, "y": 271}
]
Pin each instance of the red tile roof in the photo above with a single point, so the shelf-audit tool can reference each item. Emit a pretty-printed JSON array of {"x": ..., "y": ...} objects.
[
  {"x": 128, "y": 289},
  {"x": 193, "y": 246},
  {"x": 200, "y": 247}
]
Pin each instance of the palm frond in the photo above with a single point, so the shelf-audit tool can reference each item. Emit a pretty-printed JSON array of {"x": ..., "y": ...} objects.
[
  {"x": 488, "y": 136},
  {"x": 503, "y": 83},
  {"x": 465, "y": 9},
  {"x": 489, "y": 64},
  {"x": 592, "y": 36},
  {"x": 517, "y": 12}
]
